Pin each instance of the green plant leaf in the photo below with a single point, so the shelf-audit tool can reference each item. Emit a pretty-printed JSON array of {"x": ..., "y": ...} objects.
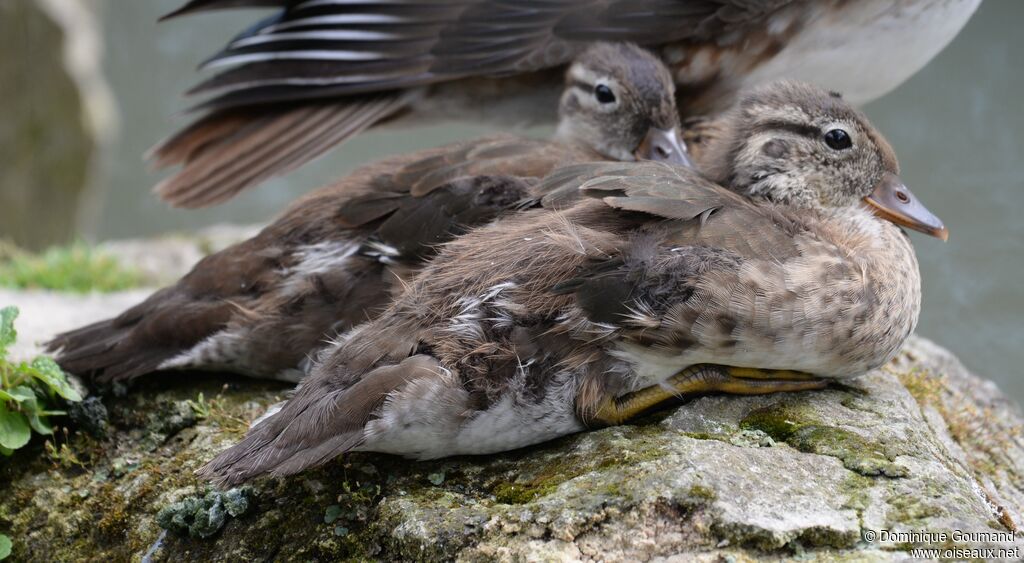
[
  {"x": 19, "y": 394},
  {"x": 39, "y": 423},
  {"x": 5, "y": 547},
  {"x": 6, "y": 452},
  {"x": 28, "y": 404},
  {"x": 47, "y": 371},
  {"x": 7, "y": 333},
  {"x": 14, "y": 428}
]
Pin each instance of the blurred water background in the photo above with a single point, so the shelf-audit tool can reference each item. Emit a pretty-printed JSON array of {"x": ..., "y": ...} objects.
[{"x": 958, "y": 127}]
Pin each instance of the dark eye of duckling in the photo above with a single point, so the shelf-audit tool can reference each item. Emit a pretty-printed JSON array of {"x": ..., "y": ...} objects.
[
  {"x": 604, "y": 94},
  {"x": 837, "y": 139}
]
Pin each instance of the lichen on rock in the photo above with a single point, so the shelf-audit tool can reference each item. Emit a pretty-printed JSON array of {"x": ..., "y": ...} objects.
[{"x": 202, "y": 517}]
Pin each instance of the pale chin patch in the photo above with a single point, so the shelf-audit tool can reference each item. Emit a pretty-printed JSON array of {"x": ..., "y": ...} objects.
[
  {"x": 568, "y": 132},
  {"x": 617, "y": 153}
]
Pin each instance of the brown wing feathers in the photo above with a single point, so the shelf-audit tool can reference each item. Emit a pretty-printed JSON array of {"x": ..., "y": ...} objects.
[
  {"x": 138, "y": 341},
  {"x": 225, "y": 153},
  {"x": 346, "y": 55},
  {"x": 320, "y": 422},
  {"x": 248, "y": 275}
]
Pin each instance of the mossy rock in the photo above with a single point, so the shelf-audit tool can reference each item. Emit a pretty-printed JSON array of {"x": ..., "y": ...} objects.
[{"x": 741, "y": 477}]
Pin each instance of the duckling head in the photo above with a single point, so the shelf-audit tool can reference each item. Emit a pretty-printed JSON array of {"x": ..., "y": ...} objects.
[
  {"x": 798, "y": 145},
  {"x": 619, "y": 100}
]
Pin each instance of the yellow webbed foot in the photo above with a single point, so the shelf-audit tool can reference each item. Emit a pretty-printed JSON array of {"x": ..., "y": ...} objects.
[{"x": 702, "y": 379}]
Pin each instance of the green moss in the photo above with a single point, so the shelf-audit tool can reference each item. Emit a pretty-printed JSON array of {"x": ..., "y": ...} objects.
[
  {"x": 512, "y": 493},
  {"x": 908, "y": 510},
  {"x": 779, "y": 422},
  {"x": 701, "y": 436},
  {"x": 963, "y": 419},
  {"x": 77, "y": 268},
  {"x": 638, "y": 444},
  {"x": 926, "y": 503},
  {"x": 922, "y": 384},
  {"x": 540, "y": 484},
  {"x": 788, "y": 424},
  {"x": 856, "y": 453},
  {"x": 703, "y": 493},
  {"x": 827, "y": 537},
  {"x": 106, "y": 507},
  {"x": 856, "y": 489}
]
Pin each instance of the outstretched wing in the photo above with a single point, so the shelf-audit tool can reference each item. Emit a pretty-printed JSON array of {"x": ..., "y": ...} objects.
[
  {"x": 337, "y": 48},
  {"x": 360, "y": 63},
  {"x": 224, "y": 153}
]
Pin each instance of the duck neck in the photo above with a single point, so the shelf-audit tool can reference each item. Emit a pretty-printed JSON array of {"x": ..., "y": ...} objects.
[
  {"x": 886, "y": 258},
  {"x": 866, "y": 235}
]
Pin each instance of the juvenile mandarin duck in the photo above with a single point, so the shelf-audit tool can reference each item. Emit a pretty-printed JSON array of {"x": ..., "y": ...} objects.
[
  {"x": 662, "y": 285},
  {"x": 333, "y": 259},
  {"x": 318, "y": 72}
]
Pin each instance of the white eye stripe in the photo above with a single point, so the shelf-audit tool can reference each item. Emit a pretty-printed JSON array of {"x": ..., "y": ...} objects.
[{"x": 581, "y": 74}]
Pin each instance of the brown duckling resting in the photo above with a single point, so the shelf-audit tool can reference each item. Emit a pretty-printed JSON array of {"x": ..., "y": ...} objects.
[
  {"x": 334, "y": 258},
  {"x": 665, "y": 285},
  {"x": 318, "y": 72}
]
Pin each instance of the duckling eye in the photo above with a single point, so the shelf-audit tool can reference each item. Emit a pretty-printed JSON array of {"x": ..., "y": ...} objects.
[
  {"x": 604, "y": 94},
  {"x": 837, "y": 139}
]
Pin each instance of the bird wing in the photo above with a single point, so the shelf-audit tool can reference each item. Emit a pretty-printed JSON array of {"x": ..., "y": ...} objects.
[
  {"x": 341, "y": 48},
  {"x": 358, "y": 64},
  {"x": 705, "y": 235},
  {"x": 668, "y": 191},
  {"x": 173, "y": 319},
  {"x": 224, "y": 153},
  {"x": 404, "y": 206},
  {"x": 430, "y": 200},
  {"x": 325, "y": 418}
]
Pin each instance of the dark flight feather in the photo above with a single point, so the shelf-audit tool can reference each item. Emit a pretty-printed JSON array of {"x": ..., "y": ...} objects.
[
  {"x": 344, "y": 53},
  {"x": 223, "y": 154}
]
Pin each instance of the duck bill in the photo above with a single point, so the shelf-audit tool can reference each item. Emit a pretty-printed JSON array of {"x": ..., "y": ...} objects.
[
  {"x": 663, "y": 145},
  {"x": 891, "y": 200}
]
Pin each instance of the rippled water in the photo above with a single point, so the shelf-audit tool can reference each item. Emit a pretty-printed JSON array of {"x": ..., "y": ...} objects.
[{"x": 958, "y": 128}]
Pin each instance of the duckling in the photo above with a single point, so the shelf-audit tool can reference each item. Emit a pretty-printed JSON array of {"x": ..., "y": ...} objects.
[
  {"x": 334, "y": 258},
  {"x": 317, "y": 73},
  {"x": 661, "y": 286}
]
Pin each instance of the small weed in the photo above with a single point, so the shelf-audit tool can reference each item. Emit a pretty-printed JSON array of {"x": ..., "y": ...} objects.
[
  {"x": 214, "y": 410},
  {"x": 28, "y": 391},
  {"x": 77, "y": 267},
  {"x": 200, "y": 407},
  {"x": 60, "y": 453}
]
